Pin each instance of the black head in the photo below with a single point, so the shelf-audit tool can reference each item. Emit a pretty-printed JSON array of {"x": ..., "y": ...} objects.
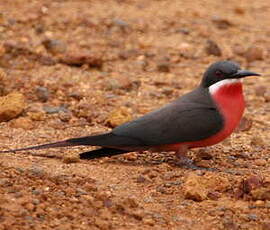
[{"x": 222, "y": 70}]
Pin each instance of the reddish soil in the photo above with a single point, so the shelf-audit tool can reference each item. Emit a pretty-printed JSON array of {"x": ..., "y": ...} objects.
[{"x": 86, "y": 66}]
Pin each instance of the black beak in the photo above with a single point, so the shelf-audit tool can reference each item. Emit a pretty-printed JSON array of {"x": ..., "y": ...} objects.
[{"x": 244, "y": 73}]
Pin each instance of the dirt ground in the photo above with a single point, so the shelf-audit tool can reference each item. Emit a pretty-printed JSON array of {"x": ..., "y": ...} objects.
[{"x": 82, "y": 67}]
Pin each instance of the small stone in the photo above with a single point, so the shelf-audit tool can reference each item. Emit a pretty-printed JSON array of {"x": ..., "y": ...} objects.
[
  {"x": 186, "y": 50},
  {"x": 265, "y": 225},
  {"x": 102, "y": 224},
  {"x": 194, "y": 189},
  {"x": 131, "y": 156},
  {"x": 260, "y": 90},
  {"x": 82, "y": 58},
  {"x": 185, "y": 31},
  {"x": 35, "y": 201},
  {"x": 239, "y": 50},
  {"x": 247, "y": 185},
  {"x": 36, "y": 192},
  {"x": 42, "y": 94},
  {"x": 126, "y": 54},
  {"x": 118, "y": 117},
  {"x": 141, "y": 179},
  {"x": 239, "y": 10},
  {"x": 55, "y": 46},
  {"x": 204, "y": 154},
  {"x": 65, "y": 116},
  {"x": 11, "y": 106},
  {"x": 148, "y": 221},
  {"x": 229, "y": 224},
  {"x": 254, "y": 53},
  {"x": 267, "y": 96},
  {"x": 260, "y": 162},
  {"x": 261, "y": 193},
  {"x": 37, "y": 116},
  {"x": 121, "y": 82},
  {"x": 85, "y": 110},
  {"x": 37, "y": 171},
  {"x": 22, "y": 122},
  {"x": 252, "y": 217},
  {"x": 213, "y": 195},
  {"x": 163, "y": 66},
  {"x": 70, "y": 158},
  {"x": 253, "y": 182},
  {"x": 81, "y": 191},
  {"x": 244, "y": 125},
  {"x": 221, "y": 23},
  {"x": 212, "y": 48},
  {"x": 5, "y": 182},
  {"x": 120, "y": 23},
  {"x": 130, "y": 202},
  {"x": 3, "y": 75},
  {"x": 54, "y": 109},
  {"x": 257, "y": 141}
]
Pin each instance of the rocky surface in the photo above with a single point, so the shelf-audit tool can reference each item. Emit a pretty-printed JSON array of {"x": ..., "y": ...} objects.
[{"x": 83, "y": 67}]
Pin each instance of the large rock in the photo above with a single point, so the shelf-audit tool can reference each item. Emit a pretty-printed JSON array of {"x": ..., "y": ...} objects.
[
  {"x": 11, "y": 106},
  {"x": 194, "y": 189}
]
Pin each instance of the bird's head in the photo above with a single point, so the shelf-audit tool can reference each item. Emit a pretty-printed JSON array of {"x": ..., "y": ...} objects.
[{"x": 224, "y": 71}]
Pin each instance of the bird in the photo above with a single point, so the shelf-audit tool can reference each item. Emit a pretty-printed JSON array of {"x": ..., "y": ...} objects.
[{"x": 203, "y": 117}]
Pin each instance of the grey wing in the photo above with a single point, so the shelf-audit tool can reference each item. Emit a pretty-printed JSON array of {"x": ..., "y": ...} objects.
[{"x": 173, "y": 124}]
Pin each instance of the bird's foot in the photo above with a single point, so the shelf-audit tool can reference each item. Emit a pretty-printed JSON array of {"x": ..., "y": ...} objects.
[{"x": 185, "y": 162}]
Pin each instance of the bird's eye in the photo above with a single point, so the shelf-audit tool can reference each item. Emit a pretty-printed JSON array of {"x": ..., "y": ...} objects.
[{"x": 218, "y": 73}]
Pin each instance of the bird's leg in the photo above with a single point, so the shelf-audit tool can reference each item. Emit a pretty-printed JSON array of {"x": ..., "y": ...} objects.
[
  {"x": 186, "y": 162},
  {"x": 182, "y": 157}
]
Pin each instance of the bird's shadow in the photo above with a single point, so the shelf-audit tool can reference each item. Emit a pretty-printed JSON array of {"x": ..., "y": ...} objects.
[{"x": 144, "y": 159}]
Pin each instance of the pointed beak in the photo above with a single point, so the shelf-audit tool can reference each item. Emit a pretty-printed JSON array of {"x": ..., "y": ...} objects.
[{"x": 245, "y": 73}]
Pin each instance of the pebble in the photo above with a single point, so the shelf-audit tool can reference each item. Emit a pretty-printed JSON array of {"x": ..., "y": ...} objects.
[
  {"x": 244, "y": 125},
  {"x": 260, "y": 162},
  {"x": 163, "y": 66},
  {"x": 141, "y": 179},
  {"x": 54, "y": 109},
  {"x": 257, "y": 141},
  {"x": 252, "y": 217},
  {"x": 70, "y": 158},
  {"x": 65, "y": 116},
  {"x": 265, "y": 225},
  {"x": 37, "y": 116},
  {"x": 11, "y": 106},
  {"x": 118, "y": 117},
  {"x": 260, "y": 90},
  {"x": 84, "y": 110},
  {"x": 42, "y": 94},
  {"x": 221, "y": 23},
  {"x": 120, "y": 23},
  {"x": 22, "y": 122},
  {"x": 54, "y": 46},
  {"x": 212, "y": 48},
  {"x": 267, "y": 96},
  {"x": 194, "y": 189},
  {"x": 121, "y": 82},
  {"x": 78, "y": 59},
  {"x": 37, "y": 171},
  {"x": 254, "y": 53},
  {"x": 262, "y": 193},
  {"x": 80, "y": 191},
  {"x": 239, "y": 50}
]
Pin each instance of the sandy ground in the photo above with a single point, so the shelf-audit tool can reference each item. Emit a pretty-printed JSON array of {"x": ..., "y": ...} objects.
[{"x": 86, "y": 66}]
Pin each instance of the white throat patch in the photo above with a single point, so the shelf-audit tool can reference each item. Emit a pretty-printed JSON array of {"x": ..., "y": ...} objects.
[{"x": 215, "y": 87}]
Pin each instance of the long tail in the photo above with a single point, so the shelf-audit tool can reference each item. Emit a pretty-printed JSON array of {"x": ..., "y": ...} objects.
[
  {"x": 45, "y": 146},
  {"x": 97, "y": 140},
  {"x": 103, "y": 140},
  {"x": 103, "y": 152}
]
